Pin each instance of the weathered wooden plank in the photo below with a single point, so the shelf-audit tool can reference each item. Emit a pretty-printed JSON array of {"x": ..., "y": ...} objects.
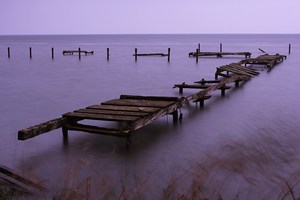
[
  {"x": 81, "y": 116},
  {"x": 136, "y": 102},
  {"x": 112, "y": 112},
  {"x": 153, "y": 116},
  {"x": 235, "y": 71},
  {"x": 219, "y": 54},
  {"x": 156, "y": 98},
  {"x": 97, "y": 130},
  {"x": 197, "y": 86},
  {"x": 209, "y": 90},
  {"x": 203, "y": 81},
  {"x": 17, "y": 179},
  {"x": 40, "y": 129},
  {"x": 124, "y": 108},
  {"x": 150, "y": 54}
]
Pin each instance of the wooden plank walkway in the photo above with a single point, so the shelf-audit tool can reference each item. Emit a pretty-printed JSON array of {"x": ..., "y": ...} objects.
[
  {"x": 220, "y": 54},
  {"x": 133, "y": 112}
]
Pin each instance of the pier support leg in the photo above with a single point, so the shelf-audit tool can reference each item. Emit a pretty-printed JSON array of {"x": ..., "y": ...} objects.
[
  {"x": 180, "y": 90},
  {"x": 175, "y": 116},
  {"x": 237, "y": 83},
  {"x": 216, "y": 76},
  {"x": 8, "y": 52},
  {"x": 197, "y": 55},
  {"x": 65, "y": 133},
  {"x": 169, "y": 54},
  {"x": 223, "y": 91},
  {"x": 52, "y": 52},
  {"x": 30, "y": 52},
  {"x": 135, "y": 54},
  {"x": 79, "y": 53},
  {"x": 107, "y": 54}
]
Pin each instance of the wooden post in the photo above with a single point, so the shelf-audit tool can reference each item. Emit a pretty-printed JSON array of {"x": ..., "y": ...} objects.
[
  {"x": 79, "y": 53},
  {"x": 30, "y": 52},
  {"x": 290, "y": 47},
  {"x": 169, "y": 54},
  {"x": 135, "y": 54},
  {"x": 199, "y": 47},
  {"x": 197, "y": 55},
  {"x": 65, "y": 133},
  {"x": 52, "y": 51},
  {"x": 8, "y": 52},
  {"x": 221, "y": 48},
  {"x": 175, "y": 116},
  {"x": 107, "y": 54}
]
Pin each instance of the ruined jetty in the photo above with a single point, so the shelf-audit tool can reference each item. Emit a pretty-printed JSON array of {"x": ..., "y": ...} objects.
[{"x": 134, "y": 112}]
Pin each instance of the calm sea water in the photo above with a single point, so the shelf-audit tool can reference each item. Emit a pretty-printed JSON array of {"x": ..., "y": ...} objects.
[{"x": 245, "y": 144}]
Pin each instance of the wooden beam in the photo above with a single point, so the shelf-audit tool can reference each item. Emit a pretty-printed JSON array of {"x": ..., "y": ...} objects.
[
  {"x": 136, "y": 102},
  {"x": 80, "y": 116},
  {"x": 39, "y": 129},
  {"x": 123, "y": 108},
  {"x": 112, "y": 112}
]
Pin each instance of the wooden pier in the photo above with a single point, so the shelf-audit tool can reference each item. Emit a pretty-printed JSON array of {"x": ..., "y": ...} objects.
[
  {"x": 134, "y": 112},
  {"x": 71, "y": 52},
  {"x": 219, "y": 54}
]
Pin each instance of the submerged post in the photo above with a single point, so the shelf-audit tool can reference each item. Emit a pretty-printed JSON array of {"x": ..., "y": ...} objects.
[
  {"x": 221, "y": 47},
  {"x": 8, "y": 52},
  {"x": 199, "y": 47},
  {"x": 30, "y": 52},
  {"x": 169, "y": 54},
  {"x": 197, "y": 55},
  {"x": 52, "y": 52},
  {"x": 107, "y": 54},
  {"x": 135, "y": 54},
  {"x": 79, "y": 53},
  {"x": 290, "y": 47}
]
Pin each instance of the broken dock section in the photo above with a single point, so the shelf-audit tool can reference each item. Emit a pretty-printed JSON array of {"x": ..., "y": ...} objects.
[
  {"x": 131, "y": 113},
  {"x": 71, "y": 52},
  {"x": 219, "y": 54}
]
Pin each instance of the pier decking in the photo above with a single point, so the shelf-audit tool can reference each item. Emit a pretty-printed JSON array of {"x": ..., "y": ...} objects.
[{"x": 133, "y": 112}]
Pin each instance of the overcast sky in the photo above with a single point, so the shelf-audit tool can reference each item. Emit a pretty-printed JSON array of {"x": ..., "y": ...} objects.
[{"x": 148, "y": 16}]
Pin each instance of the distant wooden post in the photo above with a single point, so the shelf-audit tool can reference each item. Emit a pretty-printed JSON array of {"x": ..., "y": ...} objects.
[
  {"x": 107, "y": 54},
  {"x": 52, "y": 51},
  {"x": 8, "y": 52},
  {"x": 199, "y": 47},
  {"x": 135, "y": 54},
  {"x": 221, "y": 48},
  {"x": 197, "y": 55},
  {"x": 290, "y": 47},
  {"x": 30, "y": 52},
  {"x": 79, "y": 53},
  {"x": 169, "y": 54}
]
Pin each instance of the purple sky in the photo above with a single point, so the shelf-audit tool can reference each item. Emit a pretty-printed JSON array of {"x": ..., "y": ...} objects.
[{"x": 148, "y": 16}]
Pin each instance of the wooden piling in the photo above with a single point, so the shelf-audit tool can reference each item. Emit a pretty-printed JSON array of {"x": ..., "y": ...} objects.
[
  {"x": 169, "y": 54},
  {"x": 135, "y": 54},
  {"x": 52, "y": 52},
  {"x": 30, "y": 52},
  {"x": 199, "y": 47},
  {"x": 290, "y": 47},
  {"x": 79, "y": 53},
  {"x": 221, "y": 47},
  {"x": 197, "y": 55},
  {"x": 8, "y": 52},
  {"x": 107, "y": 54}
]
